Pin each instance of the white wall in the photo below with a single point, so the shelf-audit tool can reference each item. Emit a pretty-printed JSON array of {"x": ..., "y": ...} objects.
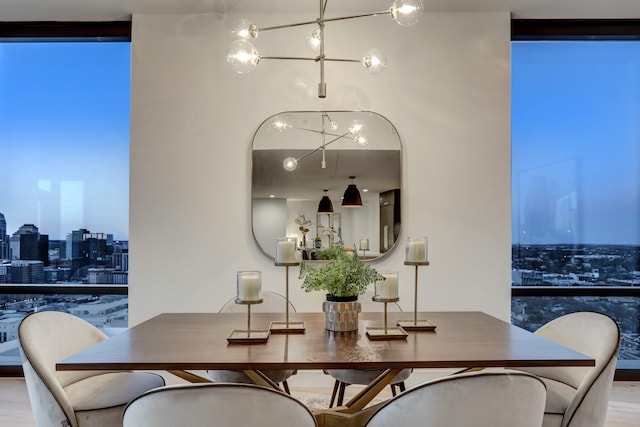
[{"x": 446, "y": 90}]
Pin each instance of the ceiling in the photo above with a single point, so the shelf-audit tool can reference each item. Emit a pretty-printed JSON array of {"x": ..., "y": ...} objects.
[{"x": 109, "y": 10}]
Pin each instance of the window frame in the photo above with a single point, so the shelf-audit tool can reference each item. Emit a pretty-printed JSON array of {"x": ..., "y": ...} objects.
[
  {"x": 46, "y": 31},
  {"x": 580, "y": 30}
]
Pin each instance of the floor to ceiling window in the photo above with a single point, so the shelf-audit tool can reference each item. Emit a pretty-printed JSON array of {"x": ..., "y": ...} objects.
[
  {"x": 64, "y": 180},
  {"x": 576, "y": 181}
]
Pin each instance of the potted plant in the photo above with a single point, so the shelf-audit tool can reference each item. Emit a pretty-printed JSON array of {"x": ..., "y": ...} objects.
[
  {"x": 303, "y": 225},
  {"x": 343, "y": 277}
]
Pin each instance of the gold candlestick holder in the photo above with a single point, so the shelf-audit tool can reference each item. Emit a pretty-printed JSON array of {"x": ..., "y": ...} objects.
[
  {"x": 416, "y": 324},
  {"x": 287, "y": 327},
  {"x": 385, "y": 332},
  {"x": 248, "y": 336}
]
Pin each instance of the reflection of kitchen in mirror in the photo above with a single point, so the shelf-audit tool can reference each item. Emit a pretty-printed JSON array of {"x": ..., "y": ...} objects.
[{"x": 340, "y": 169}]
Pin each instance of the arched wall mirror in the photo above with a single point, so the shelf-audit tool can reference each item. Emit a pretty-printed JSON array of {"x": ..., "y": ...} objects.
[{"x": 324, "y": 149}]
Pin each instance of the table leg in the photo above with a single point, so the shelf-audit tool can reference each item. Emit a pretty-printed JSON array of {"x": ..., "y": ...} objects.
[
  {"x": 188, "y": 376},
  {"x": 261, "y": 379},
  {"x": 366, "y": 395}
]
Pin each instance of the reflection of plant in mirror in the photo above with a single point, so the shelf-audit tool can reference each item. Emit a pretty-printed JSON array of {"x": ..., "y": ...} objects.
[
  {"x": 343, "y": 276},
  {"x": 303, "y": 224}
]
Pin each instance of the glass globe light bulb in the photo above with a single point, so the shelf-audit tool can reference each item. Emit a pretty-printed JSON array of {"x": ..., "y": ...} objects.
[
  {"x": 243, "y": 56},
  {"x": 333, "y": 125},
  {"x": 361, "y": 140},
  {"x": 243, "y": 29},
  {"x": 355, "y": 127},
  {"x": 406, "y": 12},
  {"x": 290, "y": 164},
  {"x": 280, "y": 124},
  {"x": 374, "y": 61},
  {"x": 313, "y": 39}
]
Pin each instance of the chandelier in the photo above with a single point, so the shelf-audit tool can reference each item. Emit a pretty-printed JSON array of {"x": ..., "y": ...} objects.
[
  {"x": 353, "y": 133},
  {"x": 243, "y": 56}
]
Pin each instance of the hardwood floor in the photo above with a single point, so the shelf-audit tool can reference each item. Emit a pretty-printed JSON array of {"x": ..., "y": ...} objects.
[{"x": 15, "y": 411}]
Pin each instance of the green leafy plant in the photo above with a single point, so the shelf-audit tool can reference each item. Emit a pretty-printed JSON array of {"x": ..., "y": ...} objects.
[
  {"x": 303, "y": 224},
  {"x": 344, "y": 275}
]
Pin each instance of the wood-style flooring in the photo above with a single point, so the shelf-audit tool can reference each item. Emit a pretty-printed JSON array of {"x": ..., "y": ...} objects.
[{"x": 15, "y": 411}]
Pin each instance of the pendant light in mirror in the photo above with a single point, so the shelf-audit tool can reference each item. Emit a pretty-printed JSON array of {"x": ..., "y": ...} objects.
[
  {"x": 325, "y": 205},
  {"x": 351, "y": 198}
]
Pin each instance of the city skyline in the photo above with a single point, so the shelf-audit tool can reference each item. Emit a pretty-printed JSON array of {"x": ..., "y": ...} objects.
[{"x": 64, "y": 133}]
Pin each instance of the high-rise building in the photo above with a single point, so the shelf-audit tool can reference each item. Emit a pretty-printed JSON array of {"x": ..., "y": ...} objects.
[
  {"x": 26, "y": 272},
  {"x": 4, "y": 238},
  {"x": 74, "y": 244},
  {"x": 28, "y": 244},
  {"x": 97, "y": 246},
  {"x": 86, "y": 249}
]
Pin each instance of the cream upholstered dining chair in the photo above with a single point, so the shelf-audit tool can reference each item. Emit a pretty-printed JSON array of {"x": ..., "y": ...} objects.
[
  {"x": 345, "y": 377},
  {"x": 477, "y": 399},
  {"x": 272, "y": 302},
  {"x": 216, "y": 405},
  {"x": 73, "y": 398},
  {"x": 579, "y": 396}
]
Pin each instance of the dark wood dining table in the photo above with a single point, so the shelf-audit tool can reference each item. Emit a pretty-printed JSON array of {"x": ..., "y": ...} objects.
[{"x": 182, "y": 342}]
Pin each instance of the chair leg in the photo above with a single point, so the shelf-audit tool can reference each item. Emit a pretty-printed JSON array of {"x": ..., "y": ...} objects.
[
  {"x": 285, "y": 385},
  {"x": 334, "y": 392},
  {"x": 400, "y": 386},
  {"x": 341, "y": 393}
]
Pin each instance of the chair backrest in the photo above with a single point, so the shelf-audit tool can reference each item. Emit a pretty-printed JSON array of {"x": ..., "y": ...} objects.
[
  {"x": 45, "y": 338},
  {"x": 595, "y": 335},
  {"x": 217, "y": 405},
  {"x": 479, "y": 399},
  {"x": 272, "y": 302}
]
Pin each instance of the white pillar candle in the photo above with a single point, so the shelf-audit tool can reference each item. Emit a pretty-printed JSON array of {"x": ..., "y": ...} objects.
[
  {"x": 416, "y": 250},
  {"x": 388, "y": 288},
  {"x": 286, "y": 250},
  {"x": 364, "y": 244},
  {"x": 249, "y": 285}
]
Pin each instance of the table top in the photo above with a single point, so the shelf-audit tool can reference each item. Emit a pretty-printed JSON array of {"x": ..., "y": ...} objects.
[{"x": 198, "y": 341}]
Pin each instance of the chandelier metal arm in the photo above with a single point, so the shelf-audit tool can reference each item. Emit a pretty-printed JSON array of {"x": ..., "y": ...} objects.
[
  {"x": 364, "y": 15},
  {"x": 322, "y": 132},
  {"x": 321, "y": 147},
  {"x": 315, "y": 59},
  {"x": 295, "y": 58},
  {"x": 342, "y": 60},
  {"x": 323, "y": 20}
]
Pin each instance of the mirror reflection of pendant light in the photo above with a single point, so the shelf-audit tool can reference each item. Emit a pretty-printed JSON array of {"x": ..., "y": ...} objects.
[
  {"x": 351, "y": 198},
  {"x": 325, "y": 205},
  {"x": 243, "y": 56}
]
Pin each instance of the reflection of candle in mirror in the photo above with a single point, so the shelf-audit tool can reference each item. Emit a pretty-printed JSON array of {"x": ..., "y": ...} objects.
[
  {"x": 385, "y": 238},
  {"x": 416, "y": 250},
  {"x": 286, "y": 250},
  {"x": 364, "y": 244},
  {"x": 249, "y": 285},
  {"x": 388, "y": 288}
]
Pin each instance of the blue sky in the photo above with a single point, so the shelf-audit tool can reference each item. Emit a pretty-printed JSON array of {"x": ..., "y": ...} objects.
[
  {"x": 576, "y": 142},
  {"x": 64, "y": 139},
  {"x": 64, "y": 136}
]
